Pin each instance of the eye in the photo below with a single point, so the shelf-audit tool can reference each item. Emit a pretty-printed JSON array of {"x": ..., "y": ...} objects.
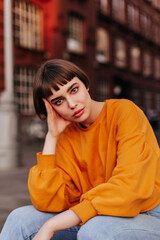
[
  {"x": 74, "y": 90},
  {"x": 58, "y": 102}
]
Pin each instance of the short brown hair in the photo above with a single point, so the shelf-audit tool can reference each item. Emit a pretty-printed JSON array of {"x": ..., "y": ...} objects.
[{"x": 52, "y": 73}]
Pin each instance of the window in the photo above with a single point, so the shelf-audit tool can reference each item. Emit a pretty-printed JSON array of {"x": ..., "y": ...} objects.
[
  {"x": 157, "y": 98},
  {"x": 147, "y": 100},
  {"x": 101, "y": 89},
  {"x": 28, "y": 25},
  {"x": 75, "y": 40},
  {"x": 135, "y": 95},
  {"x": 146, "y": 25},
  {"x": 135, "y": 61},
  {"x": 156, "y": 3},
  {"x": 120, "y": 53},
  {"x": 104, "y": 6},
  {"x": 156, "y": 33},
  {"x": 147, "y": 64},
  {"x": 118, "y": 10},
  {"x": 102, "y": 46},
  {"x": 133, "y": 17},
  {"x": 23, "y": 87},
  {"x": 157, "y": 67}
]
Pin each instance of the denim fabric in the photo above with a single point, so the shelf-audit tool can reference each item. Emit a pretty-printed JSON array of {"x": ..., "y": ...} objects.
[
  {"x": 145, "y": 226},
  {"x": 23, "y": 223}
]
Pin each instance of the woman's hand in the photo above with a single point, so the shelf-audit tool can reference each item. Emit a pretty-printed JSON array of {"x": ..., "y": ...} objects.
[
  {"x": 45, "y": 233},
  {"x": 56, "y": 124},
  {"x": 61, "y": 221}
]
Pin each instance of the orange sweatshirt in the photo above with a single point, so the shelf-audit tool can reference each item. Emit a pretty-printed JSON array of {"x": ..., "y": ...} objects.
[{"x": 110, "y": 168}]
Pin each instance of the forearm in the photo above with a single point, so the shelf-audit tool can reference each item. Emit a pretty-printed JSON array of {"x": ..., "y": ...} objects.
[
  {"x": 61, "y": 221},
  {"x": 50, "y": 144},
  {"x": 66, "y": 219},
  {"x": 56, "y": 125}
]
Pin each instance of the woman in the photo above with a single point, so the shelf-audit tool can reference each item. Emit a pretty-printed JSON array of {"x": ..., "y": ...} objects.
[{"x": 98, "y": 176}]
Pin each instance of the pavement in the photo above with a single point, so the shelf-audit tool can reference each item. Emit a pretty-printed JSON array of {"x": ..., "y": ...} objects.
[{"x": 13, "y": 182}]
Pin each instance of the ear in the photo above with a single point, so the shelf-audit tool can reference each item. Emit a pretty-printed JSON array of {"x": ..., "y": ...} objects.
[{"x": 88, "y": 89}]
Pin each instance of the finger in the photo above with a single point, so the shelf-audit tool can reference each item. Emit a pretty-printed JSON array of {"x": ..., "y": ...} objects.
[
  {"x": 51, "y": 113},
  {"x": 48, "y": 106}
]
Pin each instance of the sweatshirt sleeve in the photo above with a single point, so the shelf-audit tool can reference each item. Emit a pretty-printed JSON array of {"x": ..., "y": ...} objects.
[
  {"x": 50, "y": 183},
  {"x": 133, "y": 179}
]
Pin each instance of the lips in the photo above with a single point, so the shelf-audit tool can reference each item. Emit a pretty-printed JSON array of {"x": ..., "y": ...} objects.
[{"x": 78, "y": 113}]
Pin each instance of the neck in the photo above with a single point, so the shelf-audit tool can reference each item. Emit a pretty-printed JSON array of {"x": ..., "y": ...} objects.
[{"x": 96, "y": 108}]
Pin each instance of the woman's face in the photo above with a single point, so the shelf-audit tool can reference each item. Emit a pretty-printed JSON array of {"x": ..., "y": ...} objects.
[{"x": 72, "y": 101}]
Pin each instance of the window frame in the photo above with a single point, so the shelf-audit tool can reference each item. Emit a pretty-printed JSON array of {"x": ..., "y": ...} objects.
[
  {"x": 23, "y": 89},
  {"x": 120, "y": 65},
  {"x": 117, "y": 15},
  {"x": 105, "y": 52},
  {"x": 81, "y": 46},
  {"x": 27, "y": 33}
]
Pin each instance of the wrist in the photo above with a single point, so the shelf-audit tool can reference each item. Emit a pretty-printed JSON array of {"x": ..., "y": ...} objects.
[
  {"x": 64, "y": 220},
  {"x": 50, "y": 144},
  {"x": 48, "y": 227},
  {"x": 51, "y": 138}
]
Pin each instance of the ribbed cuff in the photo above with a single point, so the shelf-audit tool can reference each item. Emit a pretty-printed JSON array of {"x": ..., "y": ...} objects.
[
  {"x": 84, "y": 210},
  {"x": 45, "y": 161}
]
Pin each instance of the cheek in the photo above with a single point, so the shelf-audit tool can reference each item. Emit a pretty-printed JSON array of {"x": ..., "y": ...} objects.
[
  {"x": 61, "y": 111},
  {"x": 84, "y": 96}
]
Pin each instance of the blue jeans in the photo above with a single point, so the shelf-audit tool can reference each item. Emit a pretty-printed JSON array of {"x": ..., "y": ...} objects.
[{"x": 23, "y": 223}]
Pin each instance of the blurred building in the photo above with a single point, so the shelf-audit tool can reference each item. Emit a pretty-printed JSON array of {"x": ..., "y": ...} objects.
[{"x": 116, "y": 42}]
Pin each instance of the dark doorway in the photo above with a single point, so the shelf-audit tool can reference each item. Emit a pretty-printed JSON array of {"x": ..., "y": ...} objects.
[{"x": 122, "y": 88}]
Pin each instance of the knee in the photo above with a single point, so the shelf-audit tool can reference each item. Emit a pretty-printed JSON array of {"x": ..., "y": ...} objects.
[
  {"x": 84, "y": 234},
  {"x": 18, "y": 214},
  {"x": 90, "y": 234},
  {"x": 17, "y": 217},
  {"x": 14, "y": 223},
  {"x": 88, "y": 231},
  {"x": 99, "y": 227}
]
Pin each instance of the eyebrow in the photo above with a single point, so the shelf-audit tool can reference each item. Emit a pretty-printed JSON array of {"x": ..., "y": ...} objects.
[{"x": 54, "y": 99}]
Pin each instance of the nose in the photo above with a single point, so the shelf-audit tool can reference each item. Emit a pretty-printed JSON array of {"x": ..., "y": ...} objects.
[{"x": 71, "y": 103}]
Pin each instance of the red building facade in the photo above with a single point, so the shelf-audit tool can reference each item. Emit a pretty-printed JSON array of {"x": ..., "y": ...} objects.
[{"x": 116, "y": 42}]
